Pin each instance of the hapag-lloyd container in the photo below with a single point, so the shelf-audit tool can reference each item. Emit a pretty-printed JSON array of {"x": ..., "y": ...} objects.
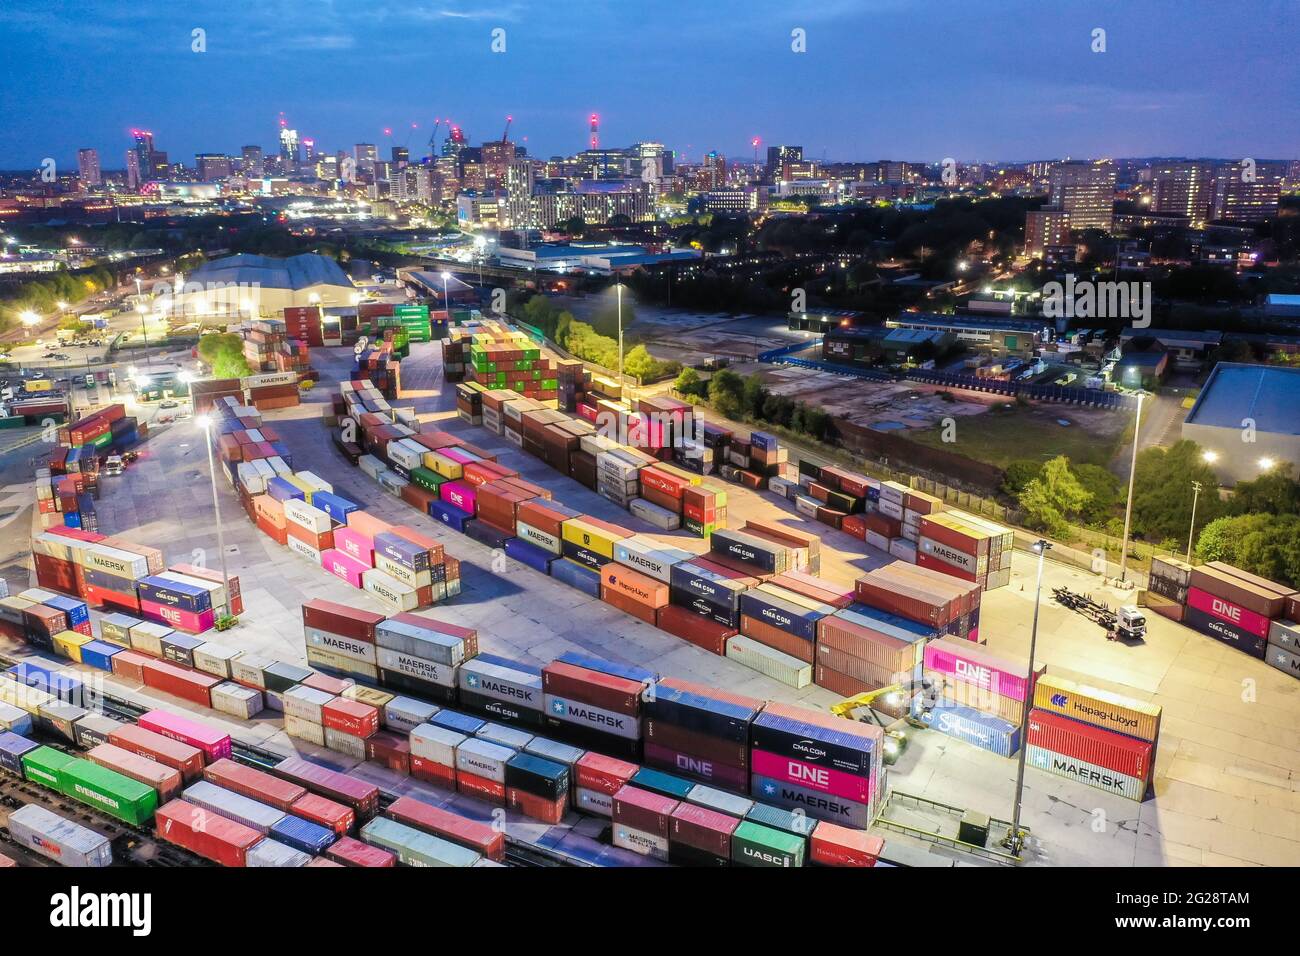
[
  {"x": 969, "y": 662},
  {"x": 1239, "y": 617},
  {"x": 821, "y": 779},
  {"x": 1104, "y": 748},
  {"x": 1101, "y": 708},
  {"x": 819, "y": 806}
]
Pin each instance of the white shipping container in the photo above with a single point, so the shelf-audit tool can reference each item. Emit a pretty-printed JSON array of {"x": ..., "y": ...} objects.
[
  {"x": 436, "y": 744},
  {"x": 304, "y": 730},
  {"x": 639, "y": 841},
  {"x": 326, "y": 660},
  {"x": 661, "y": 518},
  {"x": 547, "y": 542},
  {"x": 782, "y": 486},
  {"x": 401, "y": 453},
  {"x": 593, "y": 801},
  {"x": 345, "y": 743},
  {"x": 314, "y": 481},
  {"x": 903, "y": 549},
  {"x": 371, "y": 466},
  {"x": 511, "y": 737},
  {"x": 270, "y": 852},
  {"x": 720, "y": 800},
  {"x": 251, "y": 478},
  {"x": 233, "y": 806},
  {"x": 247, "y": 669},
  {"x": 400, "y": 572},
  {"x": 338, "y": 644},
  {"x": 418, "y": 667},
  {"x": 146, "y": 637},
  {"x": 15, "y": 719},
  {"x": 388, "y": 589},
  {"x": 403, "y": 714},
  {"x": 483, "y": 758},
  {"x": 806, "y": 505},
  {"x": 305, "y": 703},
  {"x": 877, "y": 540},
  {"x": 891, "y": 509},
  {"x": 277, "y": 467},
  {"x": 305, "y": 516},
  {"x": 237, "y": 700},
  {"x": 391, "y": 482},
  {"x": 769, "y": 662},
  {"x": 303, "y": 549},
  {"x": 214, "y": 659},
  {"x": 67, "y": 843}
]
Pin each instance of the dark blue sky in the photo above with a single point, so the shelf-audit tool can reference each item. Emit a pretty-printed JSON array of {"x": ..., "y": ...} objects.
[{"x": 907, "y": 79}]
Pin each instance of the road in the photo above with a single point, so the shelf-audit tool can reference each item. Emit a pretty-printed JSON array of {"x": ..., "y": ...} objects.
[{"x": 1162, "y": 419}]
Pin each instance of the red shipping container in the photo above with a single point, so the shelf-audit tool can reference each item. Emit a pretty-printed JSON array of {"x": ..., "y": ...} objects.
[
  {"x": 716, "y": 749},
  {"x": 351, "y": 717},
  {"x": 703, "y": 829},
  {"x": 434, "y": 773},
  {"x": 362, "y": 797},
  {"x": 208, "y": 834},
  {"x": 391, "y": 750},
  {"x": 607, "y": 775},
  {"x": 481, "y": 787},
  {"x": 627, "y": 605},
  {"x": 1105, "y": 748},
  {"x": 98, "y": 597},
  {"x": 816, "y": 588},
  {"x": 328, "y": 683},
  {"x": 776, "y": 638},
  {"x": 280, "y": 535},
  {"x": 535, "y": 807},
  {"x": 643, "y": 810},
  {"x": 592, "y": 687},
  {"x": 340, "y": 619},
  {"x": 834, "y": 845},
  {"x": 170, "y": 753},
  {"x": 700, "y": 631},
  {"x": 56, "y": 574},
  {"x": 129, "y": 665},
  {"x": 480, "y": 837},
  {"x": 180, "y": 681},
  {"x": 350, "y": 852},
  {"x": 331, "y": 815},
  {"x": 254, "y": 784},
  {"x": 662, "y": 499}
]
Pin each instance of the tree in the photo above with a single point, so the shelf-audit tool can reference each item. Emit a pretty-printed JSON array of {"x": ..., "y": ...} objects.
[
  {"x": 638, "y": 363},
  {"x": 1263, "y": 544},
  {"x": 688, "y": 382},
  {"x": 1104, "y": 488},
  {"x": 223, "y": 352},
  {"x": 1054, "y": 496},
  {"x": 1018, "y": 474},
  {"x": 1162, "y": 491},
  {"x": 1275, "y": 493},
  {"x": 753, "y": 396},
  {"x": 725, "y": 389}
]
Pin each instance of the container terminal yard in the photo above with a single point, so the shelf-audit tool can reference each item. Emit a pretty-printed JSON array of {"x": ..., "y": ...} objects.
[{"x": 673, "y": 668}]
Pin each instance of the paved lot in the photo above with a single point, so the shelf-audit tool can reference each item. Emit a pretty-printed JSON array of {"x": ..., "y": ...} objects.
[{"x": 1229, "y": 760}]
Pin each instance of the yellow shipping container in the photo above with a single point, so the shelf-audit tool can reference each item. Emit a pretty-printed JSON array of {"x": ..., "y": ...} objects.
[
  {"x": 1101, "y": 708},
  {"x": 368, "y": 695},
  {"x": 584, "y": 535},
  {"x": 442, "y": 465},
  {"x": 29, "y": 699},
  {"x": 39, "y": 384},
  {"x": 682, "y": 473},
  {"x": 305, "y": 487},
  {"x": 69, "y": 643}
]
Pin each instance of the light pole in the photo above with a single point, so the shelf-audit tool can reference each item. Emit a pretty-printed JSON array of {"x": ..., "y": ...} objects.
[
  {"x": 618, "y": 291},
  {"x": 1015, "y": 840},
  {"x": 1196, "y": 493},
  {"x": 205, "y": 423},
  {"x": 446, "y": 296},
  {"x": 1128, "y": 508}
]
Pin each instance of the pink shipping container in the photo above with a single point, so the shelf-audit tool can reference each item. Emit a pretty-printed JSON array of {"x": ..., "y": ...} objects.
[
  {"x": 822, "y": 779},
  {"x": 358, "y": 546},
  {"x": 973, "y": 664},
  {"x": 1226, "y": 610},
  {"x": 460, "y": 494},
  {"x": 179, "y": 618},
  {"x": 342, "y": 565},
  {"x": 214, "y": 744}
]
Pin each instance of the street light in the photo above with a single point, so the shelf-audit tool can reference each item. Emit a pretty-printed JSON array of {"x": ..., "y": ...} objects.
[
  {"x": 1266, "y": 464},
  {"x": 1210, "y": 457},
  {"x": 1196, "y": 493},
  {"x": 618, "y": 291},
  {"x": 30, "y": 318},
  {"x": 1132, "y": 473},
  {"x": 205, "y": 423},
  {"x": 144, "y": 334},
  {"x": 446, "y": 296},
  {"x": 1015, "y": 839}
]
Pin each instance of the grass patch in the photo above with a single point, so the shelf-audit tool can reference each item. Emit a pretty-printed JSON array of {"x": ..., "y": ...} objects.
[{"x": 1001, "y": 436}]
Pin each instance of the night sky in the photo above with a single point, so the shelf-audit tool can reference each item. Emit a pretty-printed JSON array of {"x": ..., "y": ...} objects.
[{"x": 904, "y": 79}]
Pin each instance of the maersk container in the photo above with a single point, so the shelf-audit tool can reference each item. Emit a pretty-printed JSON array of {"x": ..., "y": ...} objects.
[
  {"x": 422, "y": 642},
  {"x": 503, "y": 680},
  {"x": 233, "y": 806},
  {"x": 67, "y": 843},
  {"x": 576, "y": 575},
  {"x": 506, "y": 736},
  {"x": 415, "y": 848},
  {"x": 755, "y": 845},
  {"x": 580, "y": 714},
  {"x": 404, "y": 714},
  {"x": 813, "y": 803},
  {"x": 986, "y": 731},
  {"x": 529, "y": 554},
  {"x": 460, "y": 723},
  {"x": 1093, "y": 775},
  {"x": 303, "y": 834},
  {"x": 482, "y": 758},
  {"x": 13, "y": 747}
]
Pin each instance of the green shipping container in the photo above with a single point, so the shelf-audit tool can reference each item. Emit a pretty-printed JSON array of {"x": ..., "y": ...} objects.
[
  {"x": 755, "y": 845},
  {"x": 110, "y": 792},
  {"x": 414, "y": 847},
  {"x": 45, "y": 766},
  {"x": 427, "y": 478}
]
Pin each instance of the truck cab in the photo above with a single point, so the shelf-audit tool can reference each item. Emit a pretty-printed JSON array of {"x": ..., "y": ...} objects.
[{"x": 1131, "y": 622}]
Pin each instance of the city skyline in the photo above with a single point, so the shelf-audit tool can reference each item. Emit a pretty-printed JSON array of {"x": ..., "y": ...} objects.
[{"x": 343, "y": 80}]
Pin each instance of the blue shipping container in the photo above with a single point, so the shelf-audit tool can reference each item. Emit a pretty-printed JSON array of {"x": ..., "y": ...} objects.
[
  {"x": 333, "y": 505},
  {"x": 664, "y": 784},
  {"x": 486, "y": 535},
  {"x": 450, "y": 515},
  {"x": 281, "y": 490},
  {"x": 783, "y": 615},
  {"x": 302, "y": 835},
  {"x": 973, "y": 726},
  {"x": 454, "y": 720},
  {"x": 61, "y": 686},
  {"x": 12, "y": 748},
  {"x": 786, "y": 737},
  {"x": 701, "y": 582},
  {"x": 99, "y": 654},
  {"x": 77, "y": 611},
  {"x": 613, "y": 668},
  {"x": 578, "y": 576},
  {"x": 190, "y": 597},
  {"x": 695, "y": 712},
  {"x": 530, "y": 554}
]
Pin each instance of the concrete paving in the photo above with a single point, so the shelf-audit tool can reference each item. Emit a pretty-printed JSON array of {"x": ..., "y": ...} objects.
[{"x": 1228, "y": 764}]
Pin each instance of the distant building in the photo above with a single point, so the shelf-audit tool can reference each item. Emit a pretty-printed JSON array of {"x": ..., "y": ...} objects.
[
  {"x": 1182, "y": 189},
  {"x": 289, "y": 149},
  {"x": 735, "y": 200},
  {"x": 88, "y": 168},
  {"x": 212, "y": 166},
  {"x": 997, "y": 335},
  {"x": 251, "y": 285},
  {"x": 1046, "y": 229},
  {"x": 1144, "y": 368},
  {"x": 1086, "y": 191},
  {"x": 134, "y": 180},
  {"x": 1279, "y": 305},
  {"x": 1246, "y": 416},
  {"x": 1247, "y": 191},
  {"x": 251, "y": 157},
  {"x": 1187, "y": 348},
  {"x": 779, "y": 159}
]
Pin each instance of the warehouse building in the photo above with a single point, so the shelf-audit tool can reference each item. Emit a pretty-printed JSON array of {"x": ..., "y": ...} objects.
[
  {"x": 248, "y": 285},
  {"x": 999, "y": 336},
  {"x": 1246, "y": 419}
]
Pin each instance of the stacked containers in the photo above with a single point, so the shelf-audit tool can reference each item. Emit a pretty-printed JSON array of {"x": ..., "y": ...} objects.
[
  {"x": 860, "y": 648},
  {"x": 537, "y": 787},
  {"x": 421, "y": 655},
  {"x": 929, "y": 597},
  {"x": 983, "y": 694},
  {"x": 700, "y": 732},
  {"x": 783, "y": 620},
  {"x": 1233, "y": 606},
  {"x": 508, "y": 690},
  {"x": 642, "y": 821},
  {"x": 967, "y": 547},
  {"x": 829, "y": 768},
  {"x": 596, "y": 779},
  {"x": 1167, "y": 586},
  {"x": 341, "y": 639},
  {"x": 595, "y": 704}
]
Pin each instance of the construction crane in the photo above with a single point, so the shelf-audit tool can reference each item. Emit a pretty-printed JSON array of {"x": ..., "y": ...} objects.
[
  {"x": 505, "y": 137},
  {"x": 1125, "y": 624},
  {"x": 433, "y": 137},
  {"x": 859, "y": 707}
]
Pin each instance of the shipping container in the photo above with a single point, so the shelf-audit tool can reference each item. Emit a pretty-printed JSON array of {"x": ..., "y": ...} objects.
[
  {"x": 1104, "y": 748},
  {"x": 207, "y": 834},
  {"x": 414, "y": 847},
  {"x": 1102, "y": 708},
  {"x": 69, "y": 844}
]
